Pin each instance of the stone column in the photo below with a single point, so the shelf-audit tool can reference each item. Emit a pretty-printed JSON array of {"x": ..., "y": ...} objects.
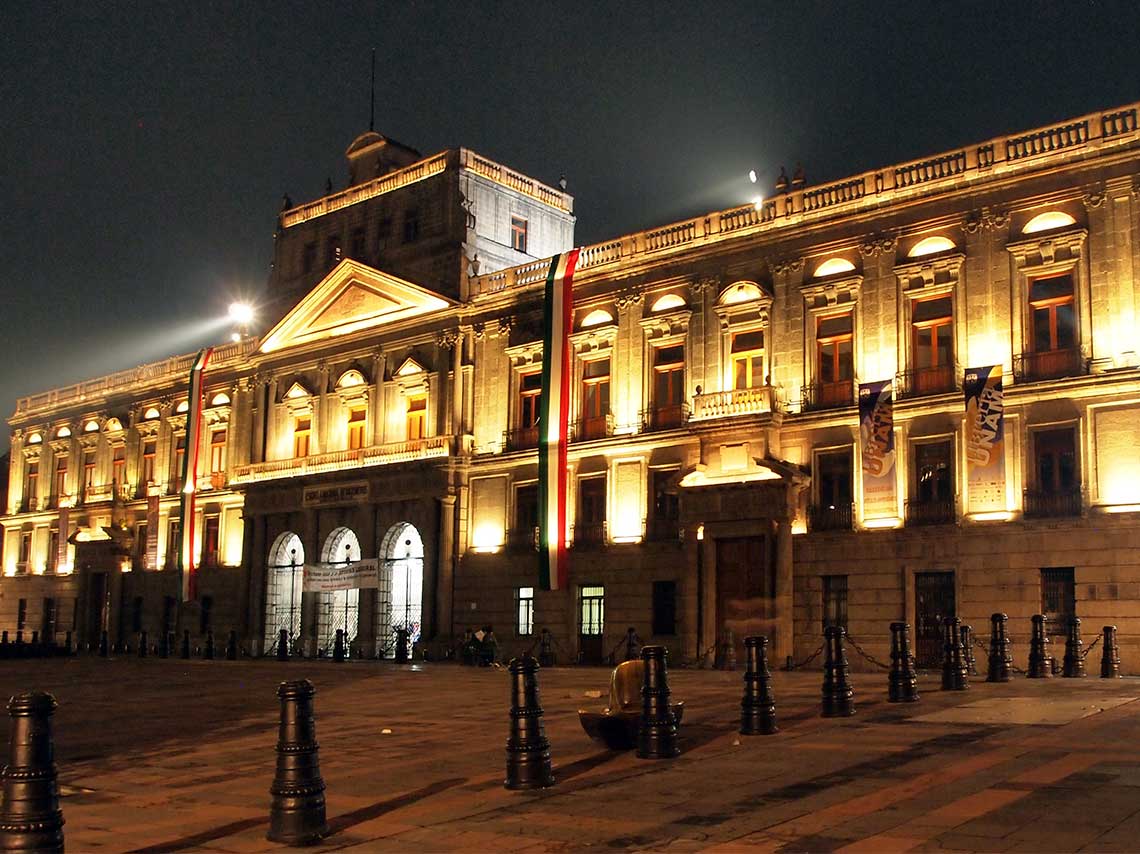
[
  {"x": 321, "y": 412},
  {"x": 445, "y": 577},
  {"x": 270, "y": 420},
  {"x": 376, "y": 399}
]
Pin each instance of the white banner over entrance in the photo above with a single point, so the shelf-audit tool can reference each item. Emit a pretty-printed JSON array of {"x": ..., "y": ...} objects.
[{"x": 329, "y": 578}]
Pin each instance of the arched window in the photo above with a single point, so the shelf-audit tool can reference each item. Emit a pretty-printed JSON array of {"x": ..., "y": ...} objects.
[
  {"x": 350, "y": 379},
  {"x": 1047, "y": 222},
  {"x": 597, "y": 317},
  {"x": 740, "y": 292},
  {"x": 832, "y": 266},
  {"x": 931, "y": 245},
  {"x": 340, "y": 609},
  {"x": 668, "y": 301},
  {"x": 284, "y": 584},
  {"x": 400, "y": 597}
]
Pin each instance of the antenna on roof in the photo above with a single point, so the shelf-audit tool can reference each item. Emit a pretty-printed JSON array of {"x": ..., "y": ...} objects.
[{"x": 372, "y": 95}]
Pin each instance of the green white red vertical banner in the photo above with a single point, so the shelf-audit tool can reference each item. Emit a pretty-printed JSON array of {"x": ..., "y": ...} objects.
[
  {"x": 554, "y": 418},
  {"x": 195, "y": 401}
]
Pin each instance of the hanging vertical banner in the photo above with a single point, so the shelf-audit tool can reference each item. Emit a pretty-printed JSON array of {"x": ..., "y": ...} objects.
[
  {"x": 877, "y": 443},
  {"x": 152, "y": 531},
  {"x": 190, "y": 474},
  {"x": 553, "y": 569},
  {"x": 985, "y": 439}
]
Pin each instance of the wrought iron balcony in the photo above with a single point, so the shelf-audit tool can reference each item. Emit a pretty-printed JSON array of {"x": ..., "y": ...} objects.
[
  {"x": 664, "y": 417},
  {"x": 738, "y": 401},
  {"x": 1049, "y": 365},
  {"x": 1039, "y": 504},
  {"x": 522, "y": 539},
  {"x": 828, "y": 395},
  {"x": 830, "y": 517},
  {"x": 589, "y": 534},
  {"x": 521, "y": 438},
  {"x": 920, "y": 382},
  {"x": 594, "y": 427},
  {"x": 937, "y": 511}
]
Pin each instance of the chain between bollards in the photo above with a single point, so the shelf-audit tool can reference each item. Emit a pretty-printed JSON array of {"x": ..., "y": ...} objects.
[
  {"x": 862, "y": 652},
  {"x": 790, "y": 665}
]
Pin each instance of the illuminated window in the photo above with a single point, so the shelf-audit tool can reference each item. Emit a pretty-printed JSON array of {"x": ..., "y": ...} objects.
[
  {"x": 88, "y": 471},
  {"x": 119, "y": 465},
  {"x": 590, "y": 523},
  {"x": 179, "y": 460},
  {"x": 53, "y": 550},
  {"x": 210, "y": 529},
  {"x": 597, "y": 317},
  {"x": 530, "y": 401},
  {"x": 932, "y": 343},
  {"x": 518, "y": 234},
  {"x": 748, "y": 359},
  {"x": 668, "y": 387},
  {"x": 302, "y": 428},
  {"x": 357, "y": 419},
  {"x": 217, "y": 451},
  {"x": 417, "y": 416},
  {"x": 25, "y": 552},
  {"x": 150, "y": 447},
  {"x": 60, "y": 476},
  {"x": 592, "y": 605},
  {"x": 524, "y": 623},
  {"x": 835, "y": 362},
  {"x": 595, "y": 398},
  {"x": 31, "y": 483},
  {"x": 835, "y": 601},
  {"x": 1054, "y": 319},
  {"x": 173, "y": 542},
  {"x": 933, "y": 472}
]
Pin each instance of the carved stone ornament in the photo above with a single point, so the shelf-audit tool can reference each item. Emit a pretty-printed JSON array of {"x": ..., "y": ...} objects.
[
  {"x": 479, "y": 328},
  {"x": 447, "y": 338},
  {"x": 1094, "y": 198},
  {"x": 628, "y": 297},
  {"x": 876, "y": 244},
  {"x": 506, "y": 323},
  {"x": 787, "y": 265},
  {"x": 984, "y": 220},
  {"x": 699, "y": 285}
]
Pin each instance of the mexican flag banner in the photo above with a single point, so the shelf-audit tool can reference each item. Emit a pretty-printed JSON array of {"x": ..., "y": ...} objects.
[
  {"x": 196, "y": 401},
  {"x": 553, "y": 422}
]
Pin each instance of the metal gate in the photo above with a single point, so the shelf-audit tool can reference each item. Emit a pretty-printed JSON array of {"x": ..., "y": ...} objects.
[
  {"x": 933, "y": 602},
  {"x": 1058, "y": 602},
  {"x": 592, "y": 614},
  {"x": 385, "y": 631},
  {"x": 339, "y": 610}
]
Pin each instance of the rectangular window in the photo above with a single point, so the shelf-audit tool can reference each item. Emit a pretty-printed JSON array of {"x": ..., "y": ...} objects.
[
  {"x": 60, "y": 477},
  {"x": 835, "y": 601},
  {"x": 595, "y": 399},
  {"x": 119, "y": 466},
  {"x": 211, "y": 526},
  {"x": 664, "y": 608},
  {"x": 47, "y": 621},
  {"x": 748, "y": 359},
  {"x": 302, "y": 428},
  {"x": 832, "y": 509},
  {"x": 141, "y": 535},
  {"x": 88, "y": 471},
  {"x": 934, "y": 472},
  {"x": 526, "y": 514},
  {"x": 590, "y": 524},
  {"x": 332, "y": 251},
  {"x": 25, "y": 553},
  {"x": 518, "y": 234},
  {"x": 524, "y": 623},
  {"x": 665, "y": 519},
  {"x": 217, "y": 451},
  {"x": 835, "y": 358},
  {"x": 668, "y": 387},
  {"x": 411, "y": 225},
  {"x": 592, "y": 610},
  {"x": 179, "y": 460},
  {"x": 932, "y": 343},
  {"x": 21, "y": 614},
  {"x": 1058, "y": 598},
  {"x": 31, "y": 484},
  {"x": 173, "y": 543},
  {"x": 417, "y": 416},
  {"x": 530, "y": 399},
  {"x": 205, "y": 615},
  {"x": 53, "y": 550},
  {"x": 357, "y": 420},
  {"x": 1055, "y": 460},
  {"x": 148, "y": 453},
  {"x": 308, "y": 257},
  {"x": 1054, "y": 319}
]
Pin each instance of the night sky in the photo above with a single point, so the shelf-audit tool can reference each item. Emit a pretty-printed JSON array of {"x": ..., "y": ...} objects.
[{"x": 146, "y": 146}]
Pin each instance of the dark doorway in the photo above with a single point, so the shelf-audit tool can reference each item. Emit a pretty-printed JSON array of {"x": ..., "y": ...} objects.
[
  {"x": 96, "y": 607},
  {"x": 933, "y": 602},
  {"x": 1058, "y": 604},
  {"x": 745, "y": 591},
  {"x": 591, "y": 623}
]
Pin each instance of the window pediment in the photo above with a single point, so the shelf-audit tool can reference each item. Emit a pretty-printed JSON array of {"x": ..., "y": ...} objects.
[
  {"x": 1048, "y": 248},
  {"x": 593, "y": 339},
  {"x": 832, "y": 292},
  {"x": 667, "y": 325},
  {"x": 925, "y": 272},
  {"x": 296, "y": 392},
  {"x": 521, "y": 355}
]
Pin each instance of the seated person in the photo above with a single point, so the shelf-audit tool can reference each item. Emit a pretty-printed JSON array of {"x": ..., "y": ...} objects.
[{"x": 489, "y": 647}]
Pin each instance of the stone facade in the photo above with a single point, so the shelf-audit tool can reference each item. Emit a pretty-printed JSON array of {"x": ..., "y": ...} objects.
[{"x": 716, "y": 457}]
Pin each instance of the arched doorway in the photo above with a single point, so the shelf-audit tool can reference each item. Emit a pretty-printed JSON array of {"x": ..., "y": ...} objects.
[
  {"x": 284, "y": 580},
  {"x": 399, "y": 601},
  {"x": 340, "y": 609}
]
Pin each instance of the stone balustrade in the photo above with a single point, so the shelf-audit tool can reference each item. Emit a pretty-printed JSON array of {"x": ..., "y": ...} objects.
[
  {"x": 375, "y": 455},
  {"x": 734, "y": 402}
]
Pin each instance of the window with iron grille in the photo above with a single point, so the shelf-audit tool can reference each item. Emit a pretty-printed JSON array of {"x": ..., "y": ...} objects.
[
  {"x": 1058, "y": 597},
  {"x": 835, "y": 601},
  {"x": 524, "y": 624},
  {"x": 592, "y": 602}
]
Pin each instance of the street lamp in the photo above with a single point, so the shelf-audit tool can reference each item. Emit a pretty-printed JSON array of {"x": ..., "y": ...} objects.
[{"x": 241, "y": 315}]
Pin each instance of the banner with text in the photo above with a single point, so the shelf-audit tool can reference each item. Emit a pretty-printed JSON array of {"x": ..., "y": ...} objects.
[
  {"x": 877, "y": 443},
  {"x": 333, "y": 577},
  {"x": 985, "y": 439}
]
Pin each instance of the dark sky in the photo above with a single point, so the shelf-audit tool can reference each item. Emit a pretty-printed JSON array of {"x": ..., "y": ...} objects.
[{"x": 145, "y": 146}]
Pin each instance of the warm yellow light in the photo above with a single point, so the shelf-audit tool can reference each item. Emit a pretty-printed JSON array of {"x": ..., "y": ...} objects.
[
  {"x": 832, "y": 266},
  {"x": 699, "y": 478},
  {"x": 931, "y": 245},
  {"x": 151, "y": 414},
  {"x": 668, "y": 301},
  {"x": 487, "y": 539},
  {"x": 993, "y": 516},
  {"x": 596, "y": 318},
  {"x": 64, "y": 569},
  {"x": 220, "y": 399},
  {"x": 740, "y": 292},
  {"x": 758, "y": 202},
  {"x": 183, "y": 406},
  {"x": 700, "y": 532},
  {"x": 626, "y": 540},
  {"x": 35, "y": 439},
  {"x": 888, "y": 522},
  {"x": 63, "y": 432},
  {"x": 1047, "y": 221},
  {"x": 113, "y": 425},
  {"x": 350, "y": 379},
  {"x": 799, "y": 527},
  {"x": 1120, "y": 508}
]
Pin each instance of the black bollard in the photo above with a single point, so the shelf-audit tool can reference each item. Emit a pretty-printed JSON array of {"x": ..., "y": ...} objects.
[
  {"x": 902, "y": 684},
  {"x": 1000, "y": 662},
  {"x": 208, "y": 649},
  {"x": 185, "y": 651},
  {"x": 5, "y": 647},
  {"x": 36, "y": 652},
  {"x": 68, "y": 648},
  {"x": 1110, "y": 655},
  {"x": 1040, "y": 663},
  {"x": 297, "y": 809},
  {"x": 283, "y": 645},
  {"x": 164, "y": 645},
  {"x": 657, "y": 734},
  {"x": 758, "y": 707},
  {"x": 966, "y": 633},
  {"x": 30, "y": 818},
  {"x": 955, "y": 676},
  {"x": 838, "y": 695},
  {"x": 142, "y": 644},
  {"x": 401, "y": 645},
  {"x": 1073, "y": 665},
  {"x": 231, "y": 646},
  {"x": 103, "y": 644},
  {"x": 338, "y": 646},
  {"x": 528, "y": 751}
]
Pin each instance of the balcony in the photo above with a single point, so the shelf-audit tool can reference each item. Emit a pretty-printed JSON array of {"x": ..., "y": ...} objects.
[
  {"x": 589, "y": 534},
  {"x": 760, "y": 400},
  {"x": 594, "y": 427},
  {"x": 662, "y": 529},
  {"x": 523, "y": 539},
  {"x": 938, "y": 511},
  {"x": 921, "y": 382},
  {"x": 821, "y": 395},
  {"x": 664, "y": 417},
  {"x": 1052, "y": 505},
  {"x": 97, "y": 493},
  {"x": 830, "y": 517},
  {"x": 1049, "y": 365},
  {"x": 521, "y": 439},
  {"x": 375, "y": 455}
]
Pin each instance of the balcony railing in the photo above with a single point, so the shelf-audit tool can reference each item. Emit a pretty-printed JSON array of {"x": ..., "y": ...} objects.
[
  {"x": 920, "y": 382},
  {"x": 1052, "y": 505},
  {"x": 662, "y": 529},
  {"x": 589, "y": 534},
  {"x": 375, "y": 455},
  {"x": 521, "y": 438},
  {"x": 1049, "y": 365},
  {"x": 939, "y": 511},
  {"x": 522, "y": 539},
  {"x": 665, "y": 417},
  {"x": 734, "y": 402},
  {"x": 828, "y": 395},
  {"x": 595, "y": 427},
  {"x": 830, "y": 517},
  {"x": 97, "y": 493}
]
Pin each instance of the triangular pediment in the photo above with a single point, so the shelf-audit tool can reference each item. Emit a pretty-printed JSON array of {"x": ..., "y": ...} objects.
[
  {"x": 410, "y": 366},
  {"x": 351, "y": 298}
]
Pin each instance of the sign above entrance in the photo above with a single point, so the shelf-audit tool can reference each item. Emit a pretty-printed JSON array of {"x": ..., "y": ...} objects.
[
  {"x": 331, "y": 577},
  {"x": 334, "y": 494}
]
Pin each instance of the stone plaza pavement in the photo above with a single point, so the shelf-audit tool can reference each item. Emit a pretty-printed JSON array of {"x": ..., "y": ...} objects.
[{"x": 158, "y": 756}]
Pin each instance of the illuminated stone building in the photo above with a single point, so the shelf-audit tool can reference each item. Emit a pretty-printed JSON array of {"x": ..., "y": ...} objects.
[{"x": 718, "y": 469}]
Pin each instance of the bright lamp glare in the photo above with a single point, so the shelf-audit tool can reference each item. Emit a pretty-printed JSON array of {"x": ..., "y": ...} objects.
[
  {"x": 241, "y": 312},
  {"x": 758, "y": 202},
  {"x": 752, "y": 175}
]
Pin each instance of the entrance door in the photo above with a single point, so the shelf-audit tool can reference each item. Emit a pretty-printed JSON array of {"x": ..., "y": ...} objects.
[
  {"x": 96, "y": 607},
  {"x": 933, "y": 602},
  {"x": 1058, "y": 603},
  {"x": 745, "y": 592},
  {"x": 591, "y": 623}
]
